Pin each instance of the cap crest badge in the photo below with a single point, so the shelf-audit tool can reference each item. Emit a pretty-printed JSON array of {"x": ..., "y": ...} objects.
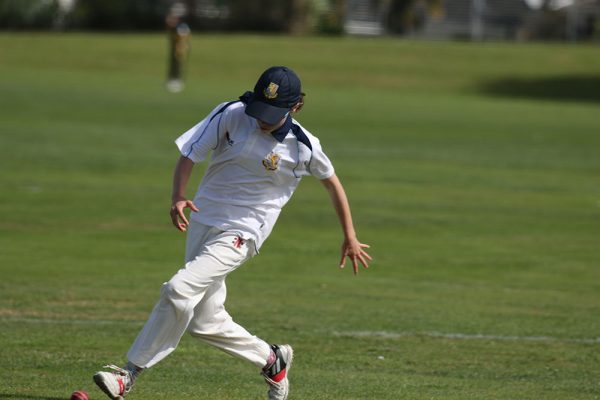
[{"x": 270, "y": 91}]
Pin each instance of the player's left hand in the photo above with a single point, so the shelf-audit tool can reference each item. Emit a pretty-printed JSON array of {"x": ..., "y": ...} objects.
[
  {"x": 178, "y": 216},
  {"x": 353, "y": 249}
]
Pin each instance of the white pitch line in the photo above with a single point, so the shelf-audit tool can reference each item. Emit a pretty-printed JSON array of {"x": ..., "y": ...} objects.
[
  {"x": 464, "y": 336},
  {"x": 355, "y": 334}
]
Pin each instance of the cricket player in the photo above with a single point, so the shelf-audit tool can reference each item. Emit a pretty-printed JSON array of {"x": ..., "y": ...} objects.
[
  {"x": 179, "y": 46},
  {"x": 259, "y": 155}
]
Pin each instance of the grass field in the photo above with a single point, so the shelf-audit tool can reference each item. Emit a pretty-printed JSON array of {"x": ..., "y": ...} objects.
[{"x": 473, "y": 171}]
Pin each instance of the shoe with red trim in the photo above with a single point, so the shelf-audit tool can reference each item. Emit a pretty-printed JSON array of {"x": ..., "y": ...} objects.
[
  {"x": 276, "y": 374},
  {"x": 115, "y": 384}
]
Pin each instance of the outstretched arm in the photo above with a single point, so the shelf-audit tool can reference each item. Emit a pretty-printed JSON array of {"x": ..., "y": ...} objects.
[
  {"x": 182, "y": 173},
  {"x": 351, "y": 247}
]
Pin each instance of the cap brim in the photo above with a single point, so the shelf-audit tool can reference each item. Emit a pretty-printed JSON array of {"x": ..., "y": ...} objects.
[{"x": 266, "y": 112}]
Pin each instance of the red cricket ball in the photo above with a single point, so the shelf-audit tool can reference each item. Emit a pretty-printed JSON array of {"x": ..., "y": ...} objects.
[{"x": 79, "y": 395}]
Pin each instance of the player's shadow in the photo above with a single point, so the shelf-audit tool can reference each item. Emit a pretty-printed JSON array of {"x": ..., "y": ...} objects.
[
  {"x": 28, "y": 397},
  {"x": 583, "y": 88}
]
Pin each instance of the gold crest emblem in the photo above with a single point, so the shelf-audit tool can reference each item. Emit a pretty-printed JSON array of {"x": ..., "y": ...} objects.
[
  {"x": 270, "y": 91},
  {"x": 271, "y": 161}
]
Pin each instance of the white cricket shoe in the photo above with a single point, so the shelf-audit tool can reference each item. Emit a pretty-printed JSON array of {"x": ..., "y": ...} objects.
[
  {"x": 115, "y": 384},
  {"x": 276, "y": 374},
  {"x": 175, "y": 85}
]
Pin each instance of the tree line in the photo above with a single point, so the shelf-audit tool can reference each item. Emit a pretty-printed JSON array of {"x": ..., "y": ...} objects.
[{"x": 290, "y": 16}]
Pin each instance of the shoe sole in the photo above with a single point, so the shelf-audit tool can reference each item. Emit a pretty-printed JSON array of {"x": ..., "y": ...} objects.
[
  {"x": 100, "y": 383},
  {"x": 288, "y": 363}
]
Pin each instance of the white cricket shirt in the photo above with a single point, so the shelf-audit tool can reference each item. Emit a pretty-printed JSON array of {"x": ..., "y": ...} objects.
[{"x": 251, "y": 174}]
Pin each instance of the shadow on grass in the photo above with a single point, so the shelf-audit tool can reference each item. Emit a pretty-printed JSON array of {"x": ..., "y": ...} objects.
[
  {"x": 28, "y": 397},
  {"x": 584, "y": 88}
]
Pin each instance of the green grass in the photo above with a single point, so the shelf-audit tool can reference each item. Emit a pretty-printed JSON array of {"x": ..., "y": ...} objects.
[{"x": 473, "y": 171}]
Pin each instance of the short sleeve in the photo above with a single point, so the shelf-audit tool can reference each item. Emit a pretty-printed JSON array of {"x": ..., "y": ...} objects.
[
  {"x": 203, "y": 137},
  {"x": 320, "y": 165}
]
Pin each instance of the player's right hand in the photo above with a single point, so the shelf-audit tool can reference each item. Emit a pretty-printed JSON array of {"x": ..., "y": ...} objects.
[{"x": 178, "y": 216}]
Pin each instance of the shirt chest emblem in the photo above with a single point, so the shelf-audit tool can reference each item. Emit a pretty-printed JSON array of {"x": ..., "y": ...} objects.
[{"x": 271, "y": 161}]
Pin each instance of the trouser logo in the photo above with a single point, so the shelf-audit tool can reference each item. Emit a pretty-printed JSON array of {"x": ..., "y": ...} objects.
[{"x": 238, "y": 242}]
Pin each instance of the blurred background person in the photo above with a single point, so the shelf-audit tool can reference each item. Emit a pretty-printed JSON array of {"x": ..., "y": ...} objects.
[{"x": 179, "y": 46}]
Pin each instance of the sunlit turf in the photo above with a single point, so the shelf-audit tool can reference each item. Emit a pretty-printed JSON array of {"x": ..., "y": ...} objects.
[{"x": 473, "y": 172}]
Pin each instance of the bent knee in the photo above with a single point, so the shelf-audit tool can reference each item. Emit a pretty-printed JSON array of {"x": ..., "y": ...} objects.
[
  {"x": 175, "y": 290},
  {"x": 181, "y": 288}
]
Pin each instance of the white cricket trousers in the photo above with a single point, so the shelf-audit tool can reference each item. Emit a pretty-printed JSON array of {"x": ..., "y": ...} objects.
[{"x": 193, "y": 301}]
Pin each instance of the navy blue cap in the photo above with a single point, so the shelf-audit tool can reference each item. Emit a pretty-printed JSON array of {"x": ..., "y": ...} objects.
[{"x": 276, "y": 92}]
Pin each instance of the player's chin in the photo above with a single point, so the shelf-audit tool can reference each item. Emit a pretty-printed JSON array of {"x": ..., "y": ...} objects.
[{"x": 266, "y": 128}]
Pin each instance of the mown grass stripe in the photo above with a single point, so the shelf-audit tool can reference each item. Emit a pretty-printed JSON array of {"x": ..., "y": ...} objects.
[{"x": 465, "y": 336}]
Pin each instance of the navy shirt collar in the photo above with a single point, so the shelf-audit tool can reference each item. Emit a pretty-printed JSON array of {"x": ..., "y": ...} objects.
[{"x": 280, "y": 133}]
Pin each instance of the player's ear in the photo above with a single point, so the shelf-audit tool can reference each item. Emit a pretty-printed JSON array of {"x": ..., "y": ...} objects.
[{"x": 299, "y": 104}]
